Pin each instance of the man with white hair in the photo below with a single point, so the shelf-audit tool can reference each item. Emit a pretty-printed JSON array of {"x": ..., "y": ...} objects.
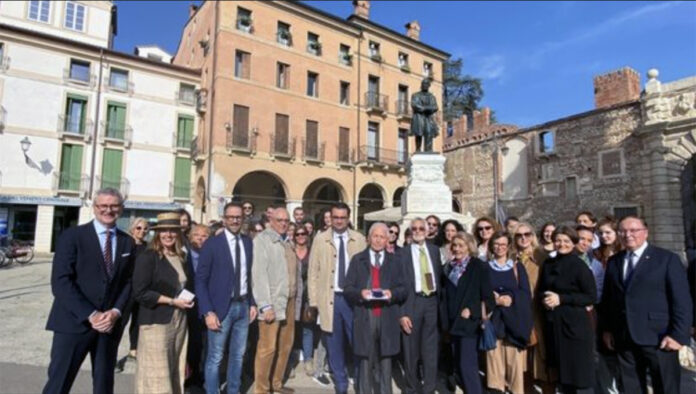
[{"x": 375, "y": 288}]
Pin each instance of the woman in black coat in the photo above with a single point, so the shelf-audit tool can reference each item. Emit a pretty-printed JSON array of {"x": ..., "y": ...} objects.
[
  {"x": 466, "y": 286},
  {"x": 566, "y": 288}
]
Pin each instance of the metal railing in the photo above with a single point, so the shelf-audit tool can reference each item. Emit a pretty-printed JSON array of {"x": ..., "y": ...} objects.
[
  {"x": 345, "y": 156},
  {"x": 182, "y": 97},
  {"x": 116, "y": 132},
  {"x": 376, "y": 102},
  {"x": 283, "y": 148},
  {"x": 403, "y": 108},
  {"x": 72, "y": 125},
  {"x": 312, "y": 151},
  {"x": 89, "y": 81},
  {"x": 183, "y": 143},
  {"x": 64, "y": 182},
  {"x": 375, "y": 154},
  {"x": 180, "y": 192},
  {"x": 4, "y": 63},
  {"x": 128, "y": 88},
  {"x": 122, "y": 184}
]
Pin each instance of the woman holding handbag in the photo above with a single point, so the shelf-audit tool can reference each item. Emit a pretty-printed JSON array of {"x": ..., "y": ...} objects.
[
  {"x": 512, "y": 318},
  {"x": 303, "y": 313},
  {"x": 466, "y": 289}
]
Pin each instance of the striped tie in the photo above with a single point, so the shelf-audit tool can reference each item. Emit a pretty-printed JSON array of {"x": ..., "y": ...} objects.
[{"x": 108, "y": 257}]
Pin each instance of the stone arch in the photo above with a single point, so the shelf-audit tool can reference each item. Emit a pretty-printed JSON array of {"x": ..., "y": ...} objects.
[
  {"x": 396, "y": 198},
  {"x": 262, "y": 188},
  {"x": 681, "y": 165},
  {"x": 371, "y": 198},
  {"x": 513, "y": 173},
  {"x": 320, "y": 195}
]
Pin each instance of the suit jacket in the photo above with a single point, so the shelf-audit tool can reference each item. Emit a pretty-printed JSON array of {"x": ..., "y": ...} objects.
[
  {"x": 214, "y": 277},
  {"x": 390, "y": 278},
  {"x": 322, "y": 271},
  {"x": 153, "y": 277},
  {"x": 655, "y": 303},
  {"x": 473, "y": 287},
  {"x": 79, "y": 281},
  {"x": 406, "y": 261}
]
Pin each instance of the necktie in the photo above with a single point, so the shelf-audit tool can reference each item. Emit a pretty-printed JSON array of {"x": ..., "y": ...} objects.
[
  {"x": 378, "y": 264},
  {"x": 632, "y": 257},
  {"x": 108, "y": 257},
  {"x": 426, "y": 275},
  {"x": 237, "y": 268},
  {"x": 341, "y": 262}
]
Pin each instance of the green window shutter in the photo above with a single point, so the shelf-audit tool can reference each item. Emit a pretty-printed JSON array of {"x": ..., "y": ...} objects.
[
  {"x": 115, "y": 120},
  {"x": 184, "y": 133},
  {"x": 70, "y": 167},
  {"x": 75, "y": 113},
  {"x": 182, "y": 177},
  {"x": 111, "y": 168}
]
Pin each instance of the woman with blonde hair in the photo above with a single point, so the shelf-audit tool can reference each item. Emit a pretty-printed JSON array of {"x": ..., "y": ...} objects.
[{"x": 161, "y": 274}]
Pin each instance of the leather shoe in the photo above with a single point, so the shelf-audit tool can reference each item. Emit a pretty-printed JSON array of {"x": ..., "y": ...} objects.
[{"x": 284, "y": 390}]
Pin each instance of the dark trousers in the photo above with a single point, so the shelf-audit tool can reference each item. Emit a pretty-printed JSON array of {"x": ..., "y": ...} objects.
[
  {"x": 634, "y": 363},
  {"x": 134, "y": 327},
  {"x": 465, "y": 351},
  {"x": 69, "y": 351},
  {"x": 375, "y": 370},
  {"x": 336, "y": 341},
  {"x": 196, "y": 344},
  {"x": 422, "y": 344}
]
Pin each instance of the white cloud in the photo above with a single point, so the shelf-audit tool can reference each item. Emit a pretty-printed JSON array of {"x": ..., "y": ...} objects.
[{"x": 491, "y": 67}]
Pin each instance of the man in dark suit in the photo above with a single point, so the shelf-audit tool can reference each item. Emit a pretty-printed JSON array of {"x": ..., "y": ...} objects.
[
  {"x": 422, "y": 268},
  {"x": 223, "y": 287},
  {"x": 645, "y": 311},
  {"x": 376, "y": 329},
  {"x": 91, "y": 284}
]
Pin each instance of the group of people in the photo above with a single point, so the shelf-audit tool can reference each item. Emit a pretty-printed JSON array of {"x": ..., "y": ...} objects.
[{"x": 591, "y": 307}]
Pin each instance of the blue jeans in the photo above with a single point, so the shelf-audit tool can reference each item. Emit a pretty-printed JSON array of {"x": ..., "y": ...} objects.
[
  {"x": 336, "y": 341},
  {"x": 235, "y": 327},
  {"x": 308, "y": 340}
]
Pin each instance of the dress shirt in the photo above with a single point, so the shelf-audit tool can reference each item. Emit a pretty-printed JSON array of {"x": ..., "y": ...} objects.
[
  {"x": 231, "y": 239},
  {"x": 372, "y": 258},
  {"x": 415, "y": 257},
  {"x": 337, "y": 242},
  {"x": 507, "y": 267},
  {"x": 627, "y": 259},
  {"x": 101, "y": 234}
]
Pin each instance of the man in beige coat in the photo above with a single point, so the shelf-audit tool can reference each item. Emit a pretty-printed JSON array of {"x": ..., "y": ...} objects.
[
  {"x": 331, "y": 253},
  {"x": 273, "y": 279}
]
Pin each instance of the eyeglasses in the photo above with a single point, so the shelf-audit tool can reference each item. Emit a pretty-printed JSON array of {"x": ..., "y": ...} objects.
[
  {"x": 141, "y": 228},
  {"x": 248, "y": 208},
  {"x": 496, "y": 245},
  {"x": 104, "y": 207},
  {"x": 485, "y": 228},
  {"x": 433, "y": 224},
  {"x": 282, "y": 220},
  {"x": 421, "y": 228},
  {"x": 393, "y": 232},
  {"x": 300, "y": 234},
  {"x": 233, "y": 218},
  {"x": 523, "y": 235},
  {"x": 339, "y": 217}
]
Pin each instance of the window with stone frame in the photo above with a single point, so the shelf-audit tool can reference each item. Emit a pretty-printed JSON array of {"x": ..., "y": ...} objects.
[
  {"x": 39, "y": 10},
  {"x": 611, "y": 163},
  {"x": 244, "y": 20},
  {"x": 546, "y": 143},
  {"x": 549, "y": 171},
  {"x": 242, "y": 64},
  {"x": 571, "y": 188},
  {"x": 282, "y": 134},
  {"x": 312, "y": 84},
  {"x": 428, "y": 70},
  {"x": 75, "y": 16},
  {"x": 240, "y": 127},
  {"x": 344, "y": 145},
  {"x": 312, "y": 140},
  {"x": 373, "y": 51},
  {"x": 283, "y": 34},
  {"x": 620, "y": 212},
  {"x": 283, "y": 75},
  {"x": 344, "y": 55},
  {"x": 344, "y": 98},
  {"x": 403, "y": 61},
  {"x": 313, "y": 44}
]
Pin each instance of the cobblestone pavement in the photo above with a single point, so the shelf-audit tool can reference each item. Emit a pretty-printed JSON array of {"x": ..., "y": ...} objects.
[{"x": 25, "y": 300}]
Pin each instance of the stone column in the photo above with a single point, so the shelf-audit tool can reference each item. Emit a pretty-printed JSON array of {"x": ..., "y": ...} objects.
[{"x": 43, "y": 235}]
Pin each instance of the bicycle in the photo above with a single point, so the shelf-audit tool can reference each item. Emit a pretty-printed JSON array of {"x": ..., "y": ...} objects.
[{"x": 21, "y": 252}]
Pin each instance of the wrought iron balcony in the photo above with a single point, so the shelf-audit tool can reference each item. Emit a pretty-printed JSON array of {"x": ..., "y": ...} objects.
[
  {"x": 283, "y": 148},
  {"x": 122, "y": 185},
  {"x": 241, "y": 141},
  {"x": 313, "y": 151},
  {"x": 403, "y": 109},
  {"x": 345, "y": 156},
  {"x": 113, "y": 132},
  {"x": 187, "y": 97},
  {"x": 375, "y": 102},
  {"x": 65, "y": 182},
  {"x": 180, "y": 192},
  {"x": 70, "y": 125},
  {"x": 376, "y": 155}
]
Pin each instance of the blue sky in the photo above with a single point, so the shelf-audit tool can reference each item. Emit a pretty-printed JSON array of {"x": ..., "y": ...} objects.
[{"x": 536, "y": 59}]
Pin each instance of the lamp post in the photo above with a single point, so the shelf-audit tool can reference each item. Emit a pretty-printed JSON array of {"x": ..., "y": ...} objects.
[
  {"x": 25, "y": 144},
  {"x": 496, "y": 147}
]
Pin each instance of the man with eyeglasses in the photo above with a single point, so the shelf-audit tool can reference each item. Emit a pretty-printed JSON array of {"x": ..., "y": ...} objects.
[
  {"x": 422, "y": 268},
  {"x": 275, "y": 288},
  {"x": 645, "y": 311},
  {"x": 332, "y": 251},
  {"x": 91, "y": 283},
  {"x": 433, "y": 223},
  {"x": 225, "y": 298}
]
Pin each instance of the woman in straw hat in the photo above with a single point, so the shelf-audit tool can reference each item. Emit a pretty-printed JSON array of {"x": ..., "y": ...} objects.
[{"x": 161, "y": 273}]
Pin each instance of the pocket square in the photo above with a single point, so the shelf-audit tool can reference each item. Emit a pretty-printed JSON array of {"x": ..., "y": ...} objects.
[{"x": 125, "y": 255}]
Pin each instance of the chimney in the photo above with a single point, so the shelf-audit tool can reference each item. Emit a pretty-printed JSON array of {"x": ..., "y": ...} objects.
[
  {"x": 482, "y": 118},
  {"x": 413, "y": 30},
  {"x": 361, "y": 8},
  {"x": 192, "y": 9},
  {"x": 616, "y": 87}
]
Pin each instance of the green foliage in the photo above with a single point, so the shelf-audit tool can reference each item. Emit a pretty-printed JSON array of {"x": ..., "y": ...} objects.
[{"x": 461, "y": 93}]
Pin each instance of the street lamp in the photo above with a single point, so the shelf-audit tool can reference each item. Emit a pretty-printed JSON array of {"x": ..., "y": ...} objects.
[
  {"x": 26, "y": 144},
  {"x": 493, "y": 144}
]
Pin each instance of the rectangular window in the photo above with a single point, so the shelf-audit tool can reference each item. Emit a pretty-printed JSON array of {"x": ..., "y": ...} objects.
[
  {"x": 187, "y": 94},
  {"x": 373, "y": 51},
  {"x": 118, "y": 79},
  {"x": 402, "y": 105},
  {"x": 312, "y": 140},
  {"x": 547, "y": 142},
  {"x": 402, "y": 147},
  {"x": 75, "y": 113},
  {"x": 284, "y": 35},
  {"x": 344, "y": 145},
  {"x": 111, "y": 168},
  {"x": 372, "y": 95},
  {"x": 344, "y": 98},
  {"x": 571, "y": 188},
  {"x": 622, "y": 212},
  {"x": 115, "y": 120},
  {"x": 74, "y": 16},
  {"x": 611, "y": 163},
  {"x": 240, "y": 128},
  {"x": 428, "y": 69},
  {"x": 549, "y": 171},
  {"x": 39, "y": 10},
  {"x": 282, "y": 133},
  {"x": 373, "y": 141},
  {"x": 182, "y": 178},
  {"x": 242, "y": 64},
  {"x": 344, "y": 56},
  {"x": 244, "y": 19},
  {"x": 283, "y": 77},
  {"x": 403, "y": 60},
  {"x": 70, "y": 167},
  {"x": 79, "y": 71},
  {"x": 313, "y": 44},
  {"x": 184, "y": 131},
  {"x": 312, "y": 84}
]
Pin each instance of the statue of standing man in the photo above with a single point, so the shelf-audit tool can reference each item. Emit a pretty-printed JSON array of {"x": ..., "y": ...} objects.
[{"x": 423, "y": 124}]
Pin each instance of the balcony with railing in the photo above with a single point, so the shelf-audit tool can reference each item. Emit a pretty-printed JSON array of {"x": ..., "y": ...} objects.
[
  {"x": 185, "y": 96},
  {"x": 241, "y": 141},
  {"x": 345, "y": 58},
  {"x": 4, "y": 63},
  {"x": 87, "y": 79},
  {"x": 403, "y": 110},
  {"x": 67, "y": 183},
  {"x": 122, "y": 185},
  {"x": 379, "y": 156},
  {"x": 313, "y": 152},
  {"x": 180, "y": 191},
  {"x": 283, "y": 148},
  {"x": 74, "y": 126},
  {"x": 345, "y": 156},
  {"x": 119, "y": 85},
  {"x": 182, "y": 142},
  {"x": 377, "y": 103},
  {"x": 116, "y": 133}
]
